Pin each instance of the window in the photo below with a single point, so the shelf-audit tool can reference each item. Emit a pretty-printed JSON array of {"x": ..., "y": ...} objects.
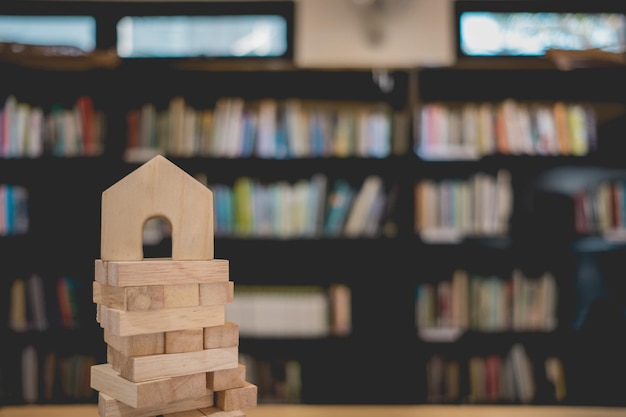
[
  {"x": 202, "y": 36},
  {"x": 526, "y": 28},
  {"x": 155, "y": 29},
  {"x": 75, "y": 31}
]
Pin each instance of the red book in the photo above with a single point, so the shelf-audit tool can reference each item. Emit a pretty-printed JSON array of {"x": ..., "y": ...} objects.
[
  {"x": 86, "y": 112},
  {"x": 492, "y": 371},
  {"x": 65, "y": 304}
]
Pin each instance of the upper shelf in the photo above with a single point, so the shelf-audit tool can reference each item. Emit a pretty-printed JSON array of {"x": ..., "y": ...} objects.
[{"x": 522, "y": 80}]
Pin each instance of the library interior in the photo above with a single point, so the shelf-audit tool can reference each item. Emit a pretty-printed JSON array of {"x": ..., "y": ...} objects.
[{"x": 322, "y": 208}]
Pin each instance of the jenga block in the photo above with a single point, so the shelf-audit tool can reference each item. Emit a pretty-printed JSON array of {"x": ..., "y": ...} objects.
[
  {"x": 216, "y": 412},
  {"x": 96, "y": 293},
  {"x": 146, "y": 297},
  {"x": 128, "y": 298},
  {"x": 130, "y": 323},
  {"x": 143, "y": 368},
  {"x": 138, "y": 345},
  {"x": 157, "y": 188},
  {"x": 98, "y": 306},
  {"x": 226, "y": 378},
  {"x": 100, "y": 272},
  {"x": 110, "y": 407},
  {"x": 182, "y": 295},
  {"x": 225, "y": 335},
  {"x": 149, "y": 393},
  {"x": 114, "y": 358},
  {"x": 217, "y": 293},
  {"x": 160, "y": 272},
  {"x": 189, "y": 340},
  {"x": 112, "y": 297},
  {"x": 237, "y": 398},
  {"x": 102, "y": 315}
]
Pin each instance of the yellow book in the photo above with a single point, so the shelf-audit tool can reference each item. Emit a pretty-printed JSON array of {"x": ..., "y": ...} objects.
[
  {"x": 244, "y": 216},
  {"x": 17, "y": 314},
  {"x": 577, "y": 122}
]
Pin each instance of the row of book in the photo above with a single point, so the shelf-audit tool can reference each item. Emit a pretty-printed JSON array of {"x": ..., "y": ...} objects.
[
  {"x": 307, "y": 208},
  {"x": 601, "y": 208},
  {"x": 266, "y": 128},
  {"x": 473, "y": 129},
  {"x": 488, "y": 303},
  {"x": 492, "y": 378},
  {"x": 36, "y": 304},
  {"x": 303, "y": 209},
  {"x": 14, "y": 213},
  {"x": 278, "y": 380},
  {"x": 48, "y": 376},
  {"x": 449, "y": 209},
  {"x": 30, "y": 131},
  {"x": 304, "y": 311}
]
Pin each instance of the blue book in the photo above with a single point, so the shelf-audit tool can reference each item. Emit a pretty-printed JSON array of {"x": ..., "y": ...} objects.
[
  {"x": 317, "y": 134},
  {"x": 249, "y": 133},
  {"x": 9, "y": 210},
  {"x": 282, "y": 150},
  {"x": 338, "y": 205}
]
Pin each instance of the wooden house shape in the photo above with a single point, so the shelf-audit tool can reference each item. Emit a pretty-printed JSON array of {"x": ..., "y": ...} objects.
[{"x": 170, "y": 350}]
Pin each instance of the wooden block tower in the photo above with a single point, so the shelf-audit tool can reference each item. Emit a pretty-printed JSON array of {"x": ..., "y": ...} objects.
[{"x": 170, "y": 351}]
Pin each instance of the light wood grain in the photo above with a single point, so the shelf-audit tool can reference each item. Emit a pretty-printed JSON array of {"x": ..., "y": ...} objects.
[
  {"x": 110, "y": 407},
  {"x": 352, "y": 411},
  {"x": 157, "y": 189},
  {"x": 181, "y": 295},
  {"x": 226, "y": 378},
  {"x": 160, "y": 271},
  {"x": 234, "y": 399},
  {"x": 144, "y": 368},
  {"x": 226, "y": 335},
  {"x": 217, "y": 293},
  {"x": 130, "y": 323},
  {"x": 150, "y": 393},
  {"x": 138, "y": 345},
  {"x": 188, "y": 340}
]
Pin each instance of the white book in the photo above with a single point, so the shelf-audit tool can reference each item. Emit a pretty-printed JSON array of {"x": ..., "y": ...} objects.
[
  {"x": 233, "y": 136},
  {"x": 524, "y": 378},
  {"x": 372, "y": 225},
  {"x": 34, "y": 145},
  {"x": 379, "y": 134},
  {"x": 266, "y": 139},
  {"x": 503, "y": 201},
  {"x": 355, "y": 223}
]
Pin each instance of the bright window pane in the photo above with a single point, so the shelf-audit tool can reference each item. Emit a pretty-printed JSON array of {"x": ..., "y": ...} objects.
[
  {"x": 532, "y": 34},
  {"x": 197, "y": 36},
  {"x": 76, "y": 31}
]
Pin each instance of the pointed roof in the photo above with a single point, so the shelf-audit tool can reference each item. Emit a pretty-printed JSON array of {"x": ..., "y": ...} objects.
[{"x": 157, "y": 189}]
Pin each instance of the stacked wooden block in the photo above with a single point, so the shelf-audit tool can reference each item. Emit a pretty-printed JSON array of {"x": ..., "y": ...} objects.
[{"x": 169, "y": 349}]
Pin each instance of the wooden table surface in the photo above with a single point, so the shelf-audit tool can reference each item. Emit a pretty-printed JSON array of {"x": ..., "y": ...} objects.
[{"x": 352, "y": 411}]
